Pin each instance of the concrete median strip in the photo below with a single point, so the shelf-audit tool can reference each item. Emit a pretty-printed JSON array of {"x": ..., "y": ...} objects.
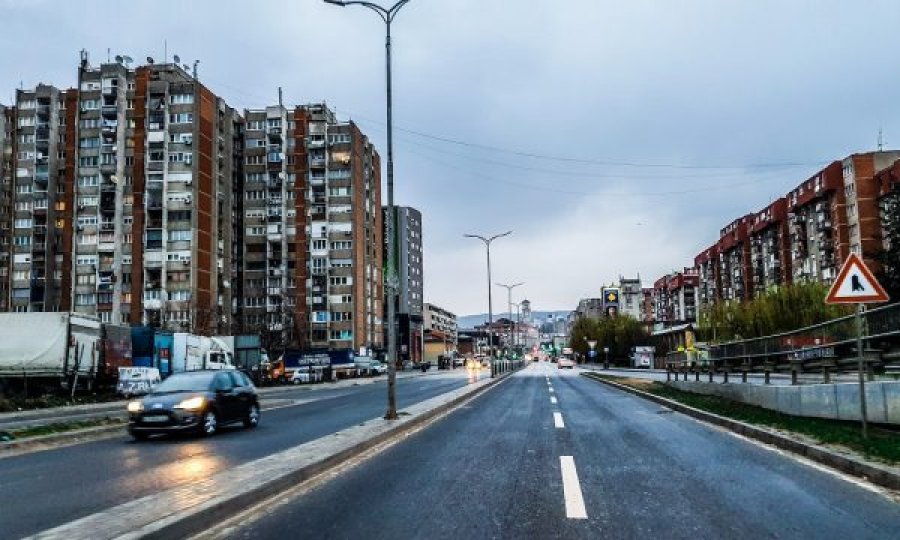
[
  {"x": 873, "y": 472},
  {"x": 187, "y": 510}
]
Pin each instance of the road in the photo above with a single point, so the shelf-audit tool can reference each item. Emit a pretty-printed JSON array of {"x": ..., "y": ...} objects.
[
  {"x": 608, "y": 465},
  {"x": 45, "y": 489}
]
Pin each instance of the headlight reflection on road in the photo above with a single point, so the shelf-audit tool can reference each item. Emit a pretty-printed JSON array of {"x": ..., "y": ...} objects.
[{"x": 192, "y": 463}]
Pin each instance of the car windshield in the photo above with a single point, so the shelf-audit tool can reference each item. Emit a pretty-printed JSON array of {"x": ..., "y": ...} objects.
[{"x": 185, "y": 382}]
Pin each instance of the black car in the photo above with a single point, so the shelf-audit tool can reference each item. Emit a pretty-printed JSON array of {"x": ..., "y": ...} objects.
[{"x": 195, "y": 401}]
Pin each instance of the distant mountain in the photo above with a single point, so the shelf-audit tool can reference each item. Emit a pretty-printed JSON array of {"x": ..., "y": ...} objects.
[{"x": 468, "y": 322}]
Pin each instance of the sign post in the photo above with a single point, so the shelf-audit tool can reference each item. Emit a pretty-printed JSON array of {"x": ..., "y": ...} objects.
[{"x": 856, "y": 284}]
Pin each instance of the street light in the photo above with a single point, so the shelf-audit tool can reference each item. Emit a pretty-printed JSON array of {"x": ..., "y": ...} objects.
[
  {"x": 487, "y": 245},
  {"x": 509, "y": 301},
  {"x": 387, "y": 15},
  {"x": 592, "y": 344}
]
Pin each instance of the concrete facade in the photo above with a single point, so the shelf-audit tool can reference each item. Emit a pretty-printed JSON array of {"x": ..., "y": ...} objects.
[{"x": 835, "y": 401}]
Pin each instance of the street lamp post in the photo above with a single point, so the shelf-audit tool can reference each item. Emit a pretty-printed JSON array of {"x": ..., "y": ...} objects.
[
  {"x": 606, "y": 357},
  {"x": 509, "y": 303},
  {"x": 592, "y": 344},
  {"x": 387, "y": 15},
  {"x": 487, "y": 245}
]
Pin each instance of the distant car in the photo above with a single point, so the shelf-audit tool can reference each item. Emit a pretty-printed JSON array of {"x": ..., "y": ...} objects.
[
  {"x": 195, "y": 401},
  {"x": 377, "y": 368},
  {"x": 565, "y": 363},
  {"x": 408, "y": 365},
  {"x": 302, "y": 376},
  {"x": 459, "y": 361}
]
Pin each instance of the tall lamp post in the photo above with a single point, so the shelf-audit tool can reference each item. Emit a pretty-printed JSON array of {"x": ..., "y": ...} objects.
[
  {"x": 487, "y": 245},
  {"x": 509, "y": 304},
  {"x": 387, "y": 15}
]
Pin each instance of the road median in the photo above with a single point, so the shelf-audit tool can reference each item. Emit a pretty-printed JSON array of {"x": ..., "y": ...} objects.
[
  {"x": 876, "y": 473},
  {"x": 190, "y": 509}
]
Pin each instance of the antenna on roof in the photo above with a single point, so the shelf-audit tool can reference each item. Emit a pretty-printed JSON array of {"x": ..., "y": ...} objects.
[
  {"x": 195, "y": 67},
  {"x": 880, "y": 140}
]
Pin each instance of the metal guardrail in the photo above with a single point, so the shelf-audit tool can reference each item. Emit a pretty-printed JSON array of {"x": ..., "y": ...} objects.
[{"x": 825, "y": 341}]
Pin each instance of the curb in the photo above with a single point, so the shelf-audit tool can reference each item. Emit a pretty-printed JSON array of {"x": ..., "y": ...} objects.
[
  {"x": 73, "y": 437},
  {"x": 869, "y": 471}
]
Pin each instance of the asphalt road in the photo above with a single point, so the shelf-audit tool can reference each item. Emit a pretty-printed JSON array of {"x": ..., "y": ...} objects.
[
  {"x": 46, "y": 489},
  {"x": 611, "y": 466}
]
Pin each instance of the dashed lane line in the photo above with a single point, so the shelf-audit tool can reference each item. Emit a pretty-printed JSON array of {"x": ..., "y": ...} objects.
[
  {"x": 572, "y": 489},
  {"x": 558, "y": 420},
  {"x": 553, "y": 400}
]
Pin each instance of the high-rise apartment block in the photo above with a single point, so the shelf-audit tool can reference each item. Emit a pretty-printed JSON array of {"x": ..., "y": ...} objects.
[
  {"x": 311, "y": 217},
  {"x": 410, "y": 285},
  {"x": 141, "y": 197}
]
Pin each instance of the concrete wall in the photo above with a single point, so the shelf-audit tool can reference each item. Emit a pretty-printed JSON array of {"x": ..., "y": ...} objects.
[{"x": 837, "y": 401}]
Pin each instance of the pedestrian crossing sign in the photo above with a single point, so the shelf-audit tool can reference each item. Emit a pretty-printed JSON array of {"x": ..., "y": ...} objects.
[{"x": 855, "y": 284}]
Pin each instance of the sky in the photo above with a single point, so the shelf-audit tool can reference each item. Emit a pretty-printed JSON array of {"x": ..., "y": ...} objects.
[{"x": 613, "y": 138}]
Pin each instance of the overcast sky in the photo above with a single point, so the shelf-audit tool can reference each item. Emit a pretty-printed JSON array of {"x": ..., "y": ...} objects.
[{"x": 612, "y": 137}]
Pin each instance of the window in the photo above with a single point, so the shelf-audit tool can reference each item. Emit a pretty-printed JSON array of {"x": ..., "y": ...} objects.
[
  {"x": 339, "y": 191},
  {"x": 340, "y": 316},
  {"x": 320, "y": 244},
  {"x": 87, "y": 201},
  {"x": 23, "y": 205},
  {"x": 256, "y": 195},
  {"x": 87, "y": 239},
  {"x": 179, "y": 215},
  {"x": 179, "y": 236},
  {"x": 25, "y": 121},
  {"x": 255, "y": 125},
  {"x": 22, "y": 275},
  {"x": 86, "y": 259},
  {"x": 86, "y": 279},
  {"x": 22, "y": 240},
  {"x": 341, "y": 335},
  {"x": 89, "y": 142},
  {"x": 23, "y": 224},
  {"x": 256, "y": 231},
  {"x": 90, "y": 104},
  {"x": 181, "y": 118},
  {"x": 256, "y": 177},
  {"x": 88, "y": 161},
  {"x": 256, "y": 160},
  {"x": 84, "y": 300},
  {"x": 23, "y": 189},
  {"x": 254, "y": 301},
  {"x": 340, "y": 280},
  {"x": 180, "y": 99},
  {"x": 27, "y": 138},
  {"x": 342, "y": 244},
  {"x": 88, "y": 181},
  {"x": 180, "y": 296}
]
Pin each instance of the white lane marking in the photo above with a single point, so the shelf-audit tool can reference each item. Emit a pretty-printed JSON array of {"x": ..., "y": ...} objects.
[
  {"x": 551, "y": 390},
  {"x": 558, "y": 421},
  {"x": 553, "y": 400},
  {"x": 572, "y": 489}
]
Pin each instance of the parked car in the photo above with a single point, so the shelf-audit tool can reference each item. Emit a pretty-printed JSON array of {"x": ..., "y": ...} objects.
[
  {"x": 196, "y": 401},
  {"x": 565, "y": 363},
  {"x": 301, "y": 375}
]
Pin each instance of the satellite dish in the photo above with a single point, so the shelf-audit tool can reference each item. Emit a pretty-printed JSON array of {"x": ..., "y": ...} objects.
[
  {"x": 114, "y": 179},
  {"x": 150, "y": 60},
  {"x": 119, "y": 59},
  {"x": 128, "y": 59},
  {"x": 177, "y": 59}
]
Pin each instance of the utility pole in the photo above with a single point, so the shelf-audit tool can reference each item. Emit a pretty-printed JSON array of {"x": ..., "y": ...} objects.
[{"x": 509, "y": 304}]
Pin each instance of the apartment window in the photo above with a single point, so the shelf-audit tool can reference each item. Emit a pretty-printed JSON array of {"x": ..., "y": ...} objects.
[
  {"x": 181, "y": 118},
  {"x": 180, "y": 157},
  {"x": 256, "y": 195},
  {"x": 86, "y": 279},
  {"x": 179, "y": 236},
  {"x": 22, "y": 275},
  {"x": 180, "y": 296},
  {"x": 88, "y": 181},
  {"x": 90, "y": 104},
  {"x": 23, "y": 224},
  {"x": 87, "y": 201},
  {"x": 22, "y": 240},
  {"x": 181, "y": 99},
  {"x": 254, "y": 301},
  {"x": 340, "y": 280},
  {"x": 340, "y": 316},
  {"x": 319, "y": 244},
  {"x": 338, "y": 174},
  {"x": 87, "y": 239},
  {"x": 27, "y": 138},
  {"x": 256, "y": 177},
  {"x": 88, "y": 161},
  {"x": 339, "y": 191},
  {"x": 341, "y": 335},
  {"x": 256, "y": 231},
  {"x": 86, "y": 259},
  {"x": 89, "y": 142},
  {"x": 85, "y": 300},
  {"x": 89, "y": 123},
  {"x": 342, "y": 244},
  {"x": 23, "y": 189},
  {"x": 23, "y": 205},
  {"x": 256, "y": 160},
  {"x": 255, "y": 125},
  {"x": 26, "y": 121}
]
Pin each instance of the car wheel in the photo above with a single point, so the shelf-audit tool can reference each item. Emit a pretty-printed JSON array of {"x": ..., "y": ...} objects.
[
  {"x": 210, "y": 423},
  {"x": 139, "y": 436},
  {"x": 252, "y": 419}
]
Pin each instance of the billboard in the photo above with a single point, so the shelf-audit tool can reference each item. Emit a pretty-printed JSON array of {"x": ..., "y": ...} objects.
[{"x": 611, "y": 297}]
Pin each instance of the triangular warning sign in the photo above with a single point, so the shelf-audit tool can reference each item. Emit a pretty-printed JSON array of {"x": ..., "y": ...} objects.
[{"x": 855, "y": 284}]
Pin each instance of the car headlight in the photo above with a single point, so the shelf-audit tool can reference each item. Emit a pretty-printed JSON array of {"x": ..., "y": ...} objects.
[
  {"x": 192, "y": 404},
  {"x": 135, "y": 406}
]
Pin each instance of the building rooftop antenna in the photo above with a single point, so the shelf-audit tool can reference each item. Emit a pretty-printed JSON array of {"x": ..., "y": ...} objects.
[{"x": 880, "y": 139}]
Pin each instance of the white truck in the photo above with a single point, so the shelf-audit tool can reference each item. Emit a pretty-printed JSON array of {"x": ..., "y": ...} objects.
[
  {"x": 50, "y": 345},
  {"x": 642, "y": 356},
  {"x": 190, "y": 353}
]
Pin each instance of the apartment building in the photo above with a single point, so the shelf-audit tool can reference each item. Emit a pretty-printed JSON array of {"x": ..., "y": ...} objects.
[
  {"x": 770, "y": 247},
  {"x": 861, "y": 191},
  {"x": 817, "y": 221},
  {"x": 887, "y": 183},
  {"x": 735, "y": 270},
  {"x": 589, "y": 308},
  {"x": 441, "y": 324},
  {"x": 409, "y": 272},
  {"x": 675, "y": 298},
  {"x": 631, "y": 297},
  {"x": 312, "y": 223},
  {"x": 7, "y": 190},
  {"x": 709, "y": 290},
  {"x": 41, "y": 224}
]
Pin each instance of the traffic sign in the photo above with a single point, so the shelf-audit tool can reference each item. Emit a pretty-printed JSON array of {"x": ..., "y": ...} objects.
[{"x": 855, "y": 284}]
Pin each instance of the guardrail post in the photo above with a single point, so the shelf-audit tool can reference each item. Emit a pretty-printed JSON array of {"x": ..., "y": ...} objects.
[
  {"x": 697, "y": 375},
  {"x": 767, "y": 378},
  {"x": 668, "y": 375},
  {"x": 744, "y": 375},
  {"x": 725, "y": 376},
  {"x": 711, "y": 371}
]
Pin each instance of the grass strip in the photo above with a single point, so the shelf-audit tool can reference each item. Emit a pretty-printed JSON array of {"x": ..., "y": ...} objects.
[
  {"x": 883, "y": 444},
  {"x": 63, "y": 427}
]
